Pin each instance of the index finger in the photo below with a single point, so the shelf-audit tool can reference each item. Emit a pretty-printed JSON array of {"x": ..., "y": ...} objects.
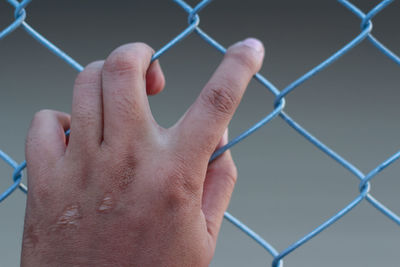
[{"x": 203, "y": 125}]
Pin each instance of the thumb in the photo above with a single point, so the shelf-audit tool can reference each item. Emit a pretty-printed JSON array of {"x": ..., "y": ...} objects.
[{"x": 218, "y": 187}]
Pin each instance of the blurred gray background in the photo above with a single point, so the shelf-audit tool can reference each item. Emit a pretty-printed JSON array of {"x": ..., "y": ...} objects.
[{"x": 286, "y": 186}]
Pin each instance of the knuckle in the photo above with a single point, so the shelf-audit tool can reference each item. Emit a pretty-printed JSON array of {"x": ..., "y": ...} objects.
[
  {"x": 124, "y": 170},
  {"x": 179, "y": 188},
  {"x": 124, "y": 178},
  {"x": 118, "y": 162},
  {"x": 176, "y": 197},
  {"x": 40, "y": 116},
  {"x": 221, "y": 99},
  {"x": 127, "y": 58},
  {"x": 245, "y": 57},
  {"x": 121, "y": 60},
  {"x": 43, "y": 113}
]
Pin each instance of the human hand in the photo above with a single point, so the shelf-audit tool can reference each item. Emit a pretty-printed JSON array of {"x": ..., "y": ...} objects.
[{"x": 121, "y": 190}]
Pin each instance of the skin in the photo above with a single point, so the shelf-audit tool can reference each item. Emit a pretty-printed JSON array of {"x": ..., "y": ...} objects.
[{"x": 121, "y": 190}]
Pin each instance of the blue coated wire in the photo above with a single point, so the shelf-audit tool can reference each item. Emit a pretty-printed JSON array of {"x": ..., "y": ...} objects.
[
  {"x": 16, "y": 23},
  {"x": 326, "y": 63}
]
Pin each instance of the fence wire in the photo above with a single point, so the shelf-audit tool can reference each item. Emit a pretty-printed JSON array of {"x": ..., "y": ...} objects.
[{"x": 278, "y": 111}]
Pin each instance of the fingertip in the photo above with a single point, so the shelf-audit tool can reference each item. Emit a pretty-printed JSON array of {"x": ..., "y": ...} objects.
[
  {"x": 155, "y": 79},
  {"x": 249, "y": 53},
  {"x": 127, "y": 59},
  {"x": 255, "y": 44}
]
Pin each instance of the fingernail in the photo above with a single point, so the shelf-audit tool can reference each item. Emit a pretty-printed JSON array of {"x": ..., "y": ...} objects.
[{"x": 254, "y": 44}]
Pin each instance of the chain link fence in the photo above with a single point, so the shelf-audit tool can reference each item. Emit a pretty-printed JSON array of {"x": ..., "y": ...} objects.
[{"x": 278, "y": 111}]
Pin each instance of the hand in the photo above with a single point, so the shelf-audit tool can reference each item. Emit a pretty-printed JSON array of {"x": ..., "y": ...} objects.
[{"x": 121, "y": 190}]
